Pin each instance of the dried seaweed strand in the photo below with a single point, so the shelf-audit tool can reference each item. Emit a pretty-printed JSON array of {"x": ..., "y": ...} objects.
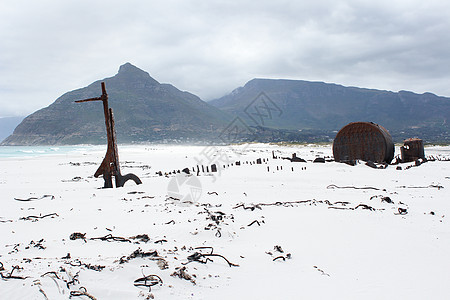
[
  {"x": 30, "y": 218},
  {"x": 333, "y": 186},
  {"x": 81, "y": 292},
  {"x": 363, "y": 206},
  {"x": 110, "y": 237},
  {"x": 139, "y": 253},
  {"x": 148, "y": 281},
  {"x": 204, "y": 258},
  {"x": 278, "y": 203},
  {"x": 279, "y": 257},
  {"x": 78, "y": 263},
  {"x": 50, "y": 273},
  {"x": 206, "y": 247},
  {"x": 35, "y": 198},
  {"x": 256, "y": 221},
  {"x": 10, "y": 274},
  {"x": 72, "y": 279},
  {"x": 437, "y": 186}
]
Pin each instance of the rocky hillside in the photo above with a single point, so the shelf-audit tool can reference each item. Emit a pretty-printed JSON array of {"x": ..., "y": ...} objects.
[
  {"x": 300, "y": 105},
  {"x": 144, "y": 110},
  {"x": 268, "y": 110}
]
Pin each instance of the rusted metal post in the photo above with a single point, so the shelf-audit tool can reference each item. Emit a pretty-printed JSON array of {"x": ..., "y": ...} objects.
[{"x": 110, "y": 165}]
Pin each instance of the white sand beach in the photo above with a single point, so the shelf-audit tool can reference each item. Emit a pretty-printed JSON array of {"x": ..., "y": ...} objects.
[{"x": 275, "y": 230}]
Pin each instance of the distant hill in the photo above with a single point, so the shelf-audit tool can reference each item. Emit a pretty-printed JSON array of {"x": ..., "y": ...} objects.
[
  {"x": 304, "y": 105},
  {"x": 7, "y": 125},
  {"x": 144, "y": 110},
  {"x": 264, "y": 110}
]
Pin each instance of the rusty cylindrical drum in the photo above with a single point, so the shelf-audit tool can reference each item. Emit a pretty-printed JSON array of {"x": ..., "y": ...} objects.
[{"x": 365, "y": 141}]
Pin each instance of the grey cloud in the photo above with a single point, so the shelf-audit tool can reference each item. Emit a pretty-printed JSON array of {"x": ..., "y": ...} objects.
[{"x": 211, "y": 47}]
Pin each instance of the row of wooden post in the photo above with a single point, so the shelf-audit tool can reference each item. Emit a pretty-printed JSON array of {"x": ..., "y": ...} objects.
[{"x": 213, "y": 168}]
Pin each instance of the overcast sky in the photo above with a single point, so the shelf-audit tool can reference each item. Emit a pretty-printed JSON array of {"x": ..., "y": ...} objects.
[{"x": 49, "y": 47}]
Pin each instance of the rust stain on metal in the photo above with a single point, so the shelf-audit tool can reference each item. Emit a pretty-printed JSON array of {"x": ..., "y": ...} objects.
[
  {"x": 365, "y": 141},
  {"x": 110, "y": 166},
  {"x": 412, "y": 150}
]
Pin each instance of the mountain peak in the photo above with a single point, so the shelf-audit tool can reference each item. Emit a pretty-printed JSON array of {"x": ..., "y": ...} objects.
[
  {"x": 127, "y": 68},
  {"x": 144, "y": 111},
  {"x": 131, "y": 71}
]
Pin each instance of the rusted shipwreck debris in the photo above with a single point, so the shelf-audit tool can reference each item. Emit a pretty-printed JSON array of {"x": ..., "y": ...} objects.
[
  {"x": 412, "y": 150},
  {"x": 110, "y": 165},
  {"x": 365, "y": 141}
]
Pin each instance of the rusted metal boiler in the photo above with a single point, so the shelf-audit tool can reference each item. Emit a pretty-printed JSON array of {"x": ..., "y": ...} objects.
[
  {"x": 412, "y": 150},
  {"x": 365, "y": 141}
]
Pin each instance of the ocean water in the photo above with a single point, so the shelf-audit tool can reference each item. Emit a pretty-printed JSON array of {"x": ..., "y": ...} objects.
[{"x": 34, "y": 151}]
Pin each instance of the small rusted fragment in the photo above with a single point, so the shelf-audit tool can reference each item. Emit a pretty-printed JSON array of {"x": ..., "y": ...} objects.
[{"x": 412, "y": 150}]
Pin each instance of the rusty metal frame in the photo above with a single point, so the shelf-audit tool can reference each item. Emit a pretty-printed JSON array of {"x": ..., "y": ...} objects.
[{"x": 110, "y": 165}]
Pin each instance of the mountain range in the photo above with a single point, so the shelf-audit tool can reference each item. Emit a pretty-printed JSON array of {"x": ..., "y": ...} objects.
[
  {"x": 297, "y": 104},
  {"x": 265, "y": 110},
  {"x": 144, "y": 110}
]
